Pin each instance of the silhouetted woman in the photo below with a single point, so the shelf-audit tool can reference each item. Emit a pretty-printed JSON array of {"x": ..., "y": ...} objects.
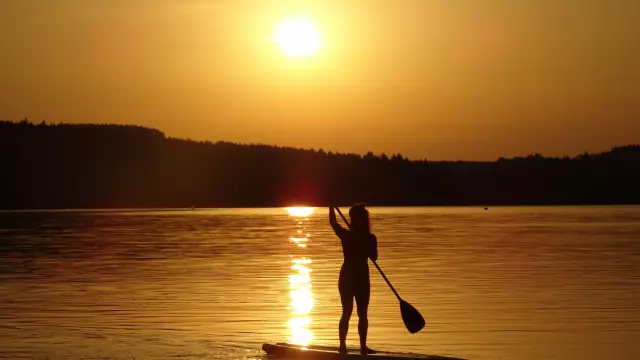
[{"x": 358, "y": 244}]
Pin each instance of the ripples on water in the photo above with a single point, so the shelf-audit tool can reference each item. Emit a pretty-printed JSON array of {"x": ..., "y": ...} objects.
[{"x": 507, "y": 283}]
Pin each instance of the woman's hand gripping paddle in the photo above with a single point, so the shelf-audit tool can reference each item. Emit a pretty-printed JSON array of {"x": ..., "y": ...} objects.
[{"x": 412, "y": 318}]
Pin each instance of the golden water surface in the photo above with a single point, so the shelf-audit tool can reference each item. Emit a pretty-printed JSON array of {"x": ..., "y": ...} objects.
[{"x": 503, "y": 283}]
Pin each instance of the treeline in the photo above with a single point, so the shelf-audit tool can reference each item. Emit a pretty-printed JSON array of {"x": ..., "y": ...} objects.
[{"x": 114, "y": 166}]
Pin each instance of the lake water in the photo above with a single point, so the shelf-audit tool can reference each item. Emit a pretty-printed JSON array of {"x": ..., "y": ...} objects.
[{"x": 513, "y": 283}]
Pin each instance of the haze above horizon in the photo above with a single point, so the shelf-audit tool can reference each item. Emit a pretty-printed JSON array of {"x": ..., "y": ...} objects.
[{"x": 428, "y": 79}]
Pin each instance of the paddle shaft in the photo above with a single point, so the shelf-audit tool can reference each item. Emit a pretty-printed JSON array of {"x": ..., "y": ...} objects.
[{"x": 373, "y": 261}]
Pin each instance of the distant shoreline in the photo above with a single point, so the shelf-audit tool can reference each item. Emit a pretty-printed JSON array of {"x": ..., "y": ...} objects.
[
  {"x": 88, "y": 166},
  {"x": 316, "y": 207}
]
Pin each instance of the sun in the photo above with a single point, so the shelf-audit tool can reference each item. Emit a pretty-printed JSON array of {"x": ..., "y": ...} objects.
[{"x": 298, "y": 38}]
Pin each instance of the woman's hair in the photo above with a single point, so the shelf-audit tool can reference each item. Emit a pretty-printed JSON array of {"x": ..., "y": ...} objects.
[{"x": 360, "y": 218}]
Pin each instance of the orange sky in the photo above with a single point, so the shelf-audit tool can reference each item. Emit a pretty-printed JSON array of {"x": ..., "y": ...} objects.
[{"x": 446, "y": 79}]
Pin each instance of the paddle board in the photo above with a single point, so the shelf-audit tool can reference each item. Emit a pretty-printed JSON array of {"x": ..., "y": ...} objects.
[{"x": 317, "y": 352}]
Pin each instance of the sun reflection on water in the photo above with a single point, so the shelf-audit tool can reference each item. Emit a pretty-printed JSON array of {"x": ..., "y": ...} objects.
[
  {"x": 300, "y": 211},
  {"x": 300, "y": 294}
]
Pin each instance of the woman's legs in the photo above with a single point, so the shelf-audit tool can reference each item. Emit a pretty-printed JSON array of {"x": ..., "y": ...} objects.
[
  {"x": 346, "y": 298},
  {"x": 362, "y": 304}
]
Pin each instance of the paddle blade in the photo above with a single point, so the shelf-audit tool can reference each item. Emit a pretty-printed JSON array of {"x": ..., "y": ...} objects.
[{"x": 411, "y": 317}]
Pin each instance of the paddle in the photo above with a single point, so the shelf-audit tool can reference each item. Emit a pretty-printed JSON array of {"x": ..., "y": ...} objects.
[{"x": 410, "y": 315}]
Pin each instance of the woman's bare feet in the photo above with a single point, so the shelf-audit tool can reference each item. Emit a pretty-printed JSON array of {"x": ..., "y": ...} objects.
[
  {"x": 366, "y": 351},
  {"x": 343, "y": 349}
]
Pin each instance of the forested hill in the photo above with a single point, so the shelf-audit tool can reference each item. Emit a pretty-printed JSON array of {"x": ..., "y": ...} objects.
[{"x": 112, "y": 166}]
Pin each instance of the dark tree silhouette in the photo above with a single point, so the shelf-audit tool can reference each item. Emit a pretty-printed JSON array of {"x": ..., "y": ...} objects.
[{"x": 111, "y": 166}]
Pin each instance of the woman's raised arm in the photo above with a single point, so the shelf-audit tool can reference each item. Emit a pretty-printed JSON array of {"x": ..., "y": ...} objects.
[{"x": 337, "y": 228}]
